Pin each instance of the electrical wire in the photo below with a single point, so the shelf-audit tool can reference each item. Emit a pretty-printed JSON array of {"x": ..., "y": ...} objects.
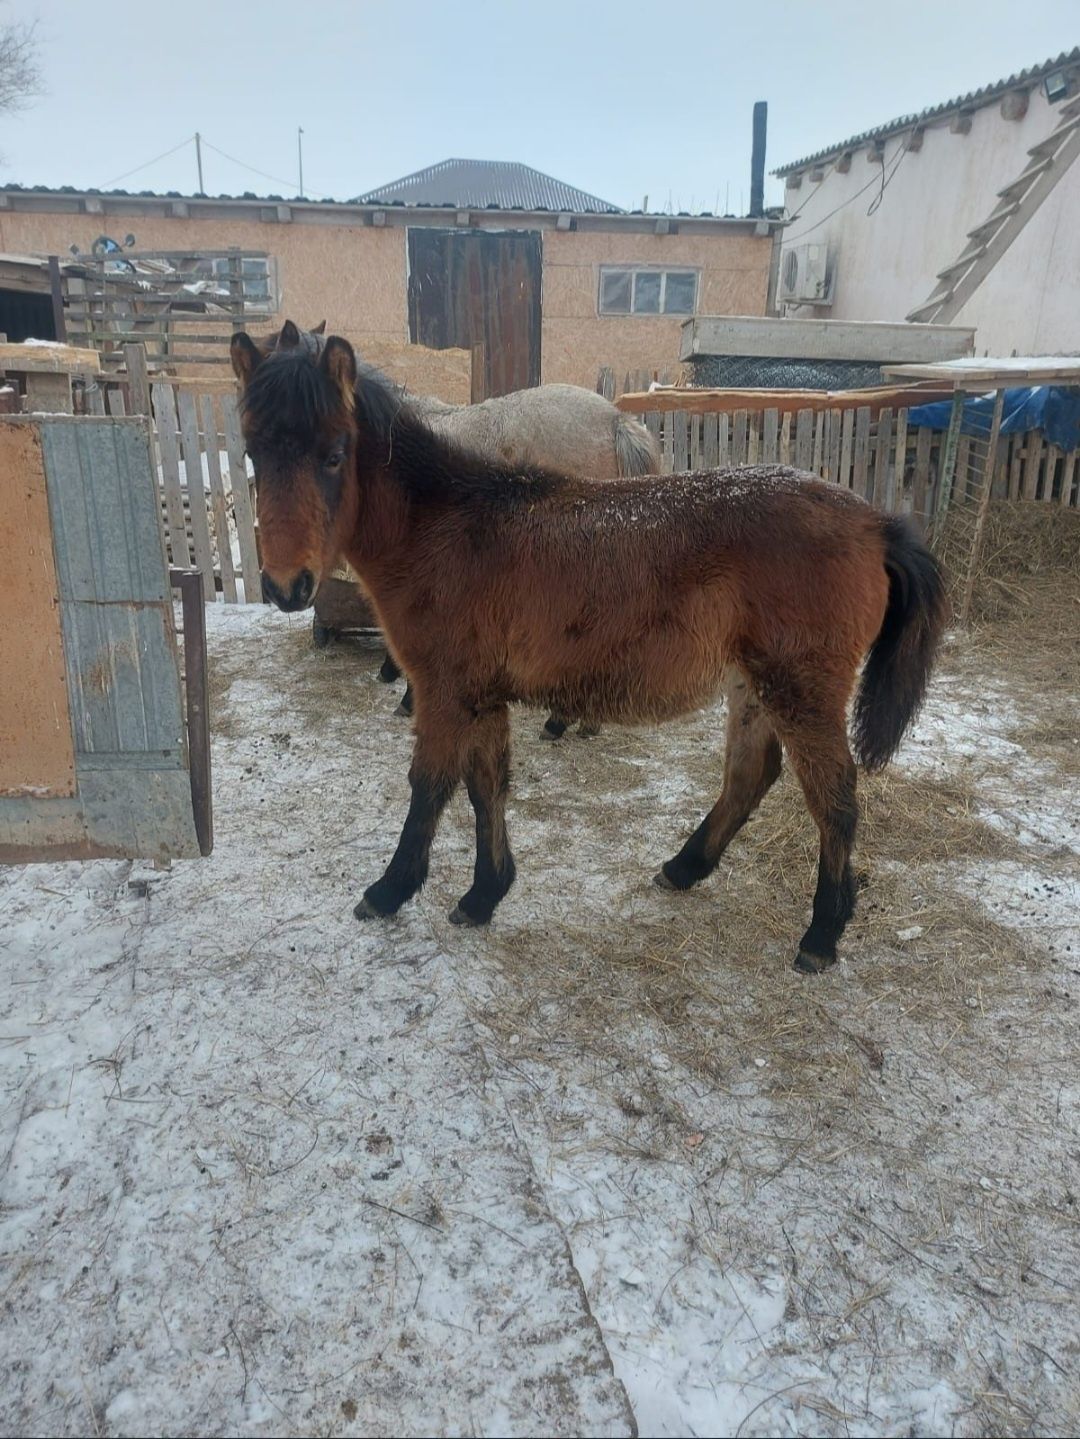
[
  {"x": 278, "y": 179},
  {"x": 875, "y": 180},
  {"x": 189, "y": 141}
]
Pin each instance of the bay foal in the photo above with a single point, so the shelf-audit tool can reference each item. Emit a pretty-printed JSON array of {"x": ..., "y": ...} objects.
[{"x": 624, "y": 600}]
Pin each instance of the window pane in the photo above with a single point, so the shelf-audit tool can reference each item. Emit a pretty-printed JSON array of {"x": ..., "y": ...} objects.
[
  {"x": 679, "y": 293},
  {"x": 647, "y": 292},
  {"x": 615, "y": 292}
]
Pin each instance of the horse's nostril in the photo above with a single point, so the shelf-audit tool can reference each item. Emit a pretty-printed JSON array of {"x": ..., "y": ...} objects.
[{"x": 305, "y": 587}]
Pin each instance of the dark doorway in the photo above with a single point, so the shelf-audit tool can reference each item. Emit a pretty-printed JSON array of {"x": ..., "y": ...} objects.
[
  {"x": 479, "y": 287},
  {"x": 26, "y": 316}
]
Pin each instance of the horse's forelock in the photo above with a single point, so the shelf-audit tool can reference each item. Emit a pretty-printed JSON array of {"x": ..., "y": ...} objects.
[{"x": 290, "y": 395}]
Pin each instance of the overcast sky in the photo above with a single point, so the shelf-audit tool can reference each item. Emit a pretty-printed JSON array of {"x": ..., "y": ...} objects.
[{"x": 623, "y": 100}]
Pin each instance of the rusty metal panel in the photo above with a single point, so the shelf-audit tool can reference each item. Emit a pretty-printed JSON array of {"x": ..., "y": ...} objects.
[{"x": 120, "y": 655}]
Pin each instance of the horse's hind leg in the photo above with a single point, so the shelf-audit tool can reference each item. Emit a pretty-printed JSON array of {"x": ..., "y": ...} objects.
[
  {"x": 751, "y": 766},
  {"x": 809, "y": 712},
  {"x": 487, "y": 777},
  {"x": 388, "y": 670},
  {"x": 406, "y": 706},
  {"x": 827, "y": 774}
]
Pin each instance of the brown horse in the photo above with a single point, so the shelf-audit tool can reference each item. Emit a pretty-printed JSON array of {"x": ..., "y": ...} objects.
[
  {"x": 623, "y": 600},
  {"x": 561, "y": 427}
]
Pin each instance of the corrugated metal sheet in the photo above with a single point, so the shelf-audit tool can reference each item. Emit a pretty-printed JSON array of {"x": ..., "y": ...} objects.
[
  {"x": 120, "y": 657},
  {"x": 486, "y": 185},
  {"x": 971, "y": 100}
]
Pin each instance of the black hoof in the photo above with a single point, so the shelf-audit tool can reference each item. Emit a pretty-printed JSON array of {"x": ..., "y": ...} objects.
[
  {"x": 404, "y": 711},
  {"x": 388, "y": 671},
  {"x": 377, "y": 904},
  {"x": 662, "y": 882},
  {"x": 366, "y": 910},
  {"x": 321, "y": 634},
  {"x": 467, "y": 921},
  {"x": 813, "y": 963}
]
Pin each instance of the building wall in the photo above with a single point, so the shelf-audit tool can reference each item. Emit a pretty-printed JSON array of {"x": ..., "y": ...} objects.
[
  {"x": 885, "y": 263},
  {"x": 356, "y": 278},
  {"x": 578, "y": 340}
]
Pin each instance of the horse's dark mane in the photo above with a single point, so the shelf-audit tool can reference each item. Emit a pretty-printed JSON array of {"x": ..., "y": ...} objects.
[
  {"x": 291, "y": 401},
  {"x": 430, "y": 466}
]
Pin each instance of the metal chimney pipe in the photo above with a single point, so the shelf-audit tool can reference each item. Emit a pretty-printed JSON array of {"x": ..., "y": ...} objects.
[{"x": 757, "y": 160}]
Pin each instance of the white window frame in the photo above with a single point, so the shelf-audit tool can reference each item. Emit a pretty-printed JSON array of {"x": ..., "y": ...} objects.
[{"x": 634, "y": 271}]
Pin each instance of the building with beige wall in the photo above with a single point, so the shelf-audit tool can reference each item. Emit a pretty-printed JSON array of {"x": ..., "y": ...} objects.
[
  {"x": 525, "y": 279},
  {"x": 893, "y": 206}
]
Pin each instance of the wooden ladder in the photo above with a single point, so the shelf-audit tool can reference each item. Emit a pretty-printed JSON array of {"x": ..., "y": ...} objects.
[{"x": 1048, "y": 161}]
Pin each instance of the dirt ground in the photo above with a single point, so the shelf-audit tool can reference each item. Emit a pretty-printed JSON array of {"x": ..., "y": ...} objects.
[{"x": 608, "y": 1163}]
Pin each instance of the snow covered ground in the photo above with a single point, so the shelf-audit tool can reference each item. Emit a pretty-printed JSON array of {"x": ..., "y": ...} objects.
[{"x": 607, "y": 1165}]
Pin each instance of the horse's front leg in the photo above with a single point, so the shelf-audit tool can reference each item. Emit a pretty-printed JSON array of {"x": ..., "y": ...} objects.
[
  {"x": 440, "y": 753},
  {"x": 487, "y": 778}
]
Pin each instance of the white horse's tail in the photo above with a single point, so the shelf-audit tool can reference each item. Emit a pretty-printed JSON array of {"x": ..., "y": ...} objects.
[{"x": 636, "y": 450}]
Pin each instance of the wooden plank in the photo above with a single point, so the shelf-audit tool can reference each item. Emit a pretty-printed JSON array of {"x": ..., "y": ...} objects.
[
  {"x": 695, "y": 441},
  {"x": 755, "y": 401},
  {"x": 723, "y": 440},
  {"x": 861, "y": 453},
  {"x": 667, "y": 443},
  {"x": 95, "y": 400},
  {"x": 798, "y": 339},
  {"x": 193, "y": 475},
  {"x": 804, "y": 440},
  {"x": 921, "y": 480},
  {"x": 138, "y": 379},
  {"x": 984, "y": 505},
  {"x": 48, "y": 359},
  {"x": 847, "y": 433},
  {"x": 654, "y": 423},
  {"x": 217, "y": 498},
  {"x": 1016, "y": 465},
  {"x": 165, "y": 427},
  {"x": 37, "y": 755},
  {"x": 1053, "y": 455},
  {"x": 785, "y": 439},
  {"x": 770, "y": 437},
  {"x": 817, "y": 464},
  {"x": 241, "y": 494},
  {"x": 895, "y": 484},
  {"x": 738, "y": 438},
  {"x": 832, "y": 441},
  {"x": 681, "y": 442},
  {"x": 882, "y": 455},
  {"x": 961, "y": 481},
  {"x": 753, "y": 439},
  {"x": 1032, "y": 461},
  {"x": 710, "y": 441},
  {"x": 117, "y": 404},
  {"x": 1068, "y": 475}
]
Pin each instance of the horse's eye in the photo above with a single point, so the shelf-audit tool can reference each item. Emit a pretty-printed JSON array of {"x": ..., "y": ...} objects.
[{"x": 333, "y": 461}]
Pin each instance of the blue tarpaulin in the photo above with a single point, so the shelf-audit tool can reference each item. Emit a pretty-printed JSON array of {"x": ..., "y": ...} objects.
[{"x": 1050, "y": 408}]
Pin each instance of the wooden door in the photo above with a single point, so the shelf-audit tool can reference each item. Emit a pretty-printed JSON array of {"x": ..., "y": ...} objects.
[{"x": 479, "y": 287}]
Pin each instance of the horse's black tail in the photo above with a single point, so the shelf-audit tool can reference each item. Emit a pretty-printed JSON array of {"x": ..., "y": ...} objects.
[{"x": 898, "y": 666}]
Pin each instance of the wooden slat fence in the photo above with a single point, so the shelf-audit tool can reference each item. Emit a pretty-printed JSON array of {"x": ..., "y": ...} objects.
[{"x": 880, "y": 456}]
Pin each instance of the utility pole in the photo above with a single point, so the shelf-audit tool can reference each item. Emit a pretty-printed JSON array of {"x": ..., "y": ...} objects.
[
  {"x": 198, "y": 160},
  {"x": 300, "y": 156}
]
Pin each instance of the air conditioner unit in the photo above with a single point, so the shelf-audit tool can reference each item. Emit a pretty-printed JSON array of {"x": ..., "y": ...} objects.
[{"x": 804, "y": 275}]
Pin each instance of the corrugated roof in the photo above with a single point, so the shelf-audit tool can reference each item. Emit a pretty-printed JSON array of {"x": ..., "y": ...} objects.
[
  {"x": 486, "y": 185},
  {"x": 971, "y": 100}
]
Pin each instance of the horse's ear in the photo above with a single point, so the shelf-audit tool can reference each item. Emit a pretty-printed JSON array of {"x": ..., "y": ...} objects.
[
  {"x": 289, "y": 338},
  {"x": 339, "y": 362},
  {"x": 246, "y": 357},
  {"x": 320, "y": 328}
]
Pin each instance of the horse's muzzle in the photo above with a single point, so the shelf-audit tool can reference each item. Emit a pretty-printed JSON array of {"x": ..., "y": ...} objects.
[{"x": 298, "y": 597}]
